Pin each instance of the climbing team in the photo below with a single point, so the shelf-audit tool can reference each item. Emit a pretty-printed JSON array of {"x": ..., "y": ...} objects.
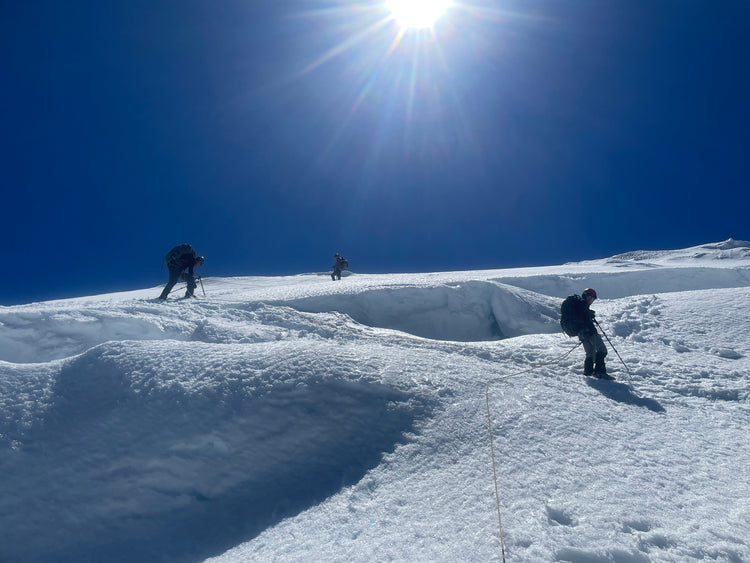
[
  {"x": 576, "y": 316},
  {"x": 182, "y": 260},
  {"x": 577, "y": 319}
]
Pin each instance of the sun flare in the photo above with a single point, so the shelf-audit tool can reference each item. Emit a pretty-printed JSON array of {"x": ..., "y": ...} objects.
[{"x": 417, "y": 13}]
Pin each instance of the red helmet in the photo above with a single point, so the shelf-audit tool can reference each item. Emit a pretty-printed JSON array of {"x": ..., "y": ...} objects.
[{"x": 589, "y": 291}]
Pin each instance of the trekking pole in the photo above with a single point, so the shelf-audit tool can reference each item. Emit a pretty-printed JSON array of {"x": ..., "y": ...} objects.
[
  {"x": 613, "y": 348},
  {"x": 203, "y": 288},
  {"x": 176, "y": 288}
]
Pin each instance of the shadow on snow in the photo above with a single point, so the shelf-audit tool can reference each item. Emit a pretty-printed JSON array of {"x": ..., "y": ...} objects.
[
  {"x": 623, "y": 394},
  {"x": 190, "y": 479}
]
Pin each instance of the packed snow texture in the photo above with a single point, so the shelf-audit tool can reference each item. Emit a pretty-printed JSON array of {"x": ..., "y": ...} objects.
[{"x": 300, "y": 419}]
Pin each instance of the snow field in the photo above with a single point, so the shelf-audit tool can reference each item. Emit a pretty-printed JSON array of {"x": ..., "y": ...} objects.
[{"x": 296, "y": 419}]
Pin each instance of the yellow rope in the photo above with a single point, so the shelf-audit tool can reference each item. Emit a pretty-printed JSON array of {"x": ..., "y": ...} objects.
[
  {"x": 492, "y": 439},
  {"x": 494, "y": 470}
]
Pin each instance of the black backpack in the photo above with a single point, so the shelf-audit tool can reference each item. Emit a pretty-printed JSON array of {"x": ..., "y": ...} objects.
[
  {"x": 344, "y": 264},
  {"x": 174, "y": 256},
  {"x": 572, "y": 314}
]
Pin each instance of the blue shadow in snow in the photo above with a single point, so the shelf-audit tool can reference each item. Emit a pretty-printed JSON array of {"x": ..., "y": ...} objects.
[
  {"x": 334, "y": 447},
  {"x": 623, "y": 394}
]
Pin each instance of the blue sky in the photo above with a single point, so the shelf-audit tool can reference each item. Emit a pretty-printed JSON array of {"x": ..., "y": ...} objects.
[{"x": 272, "y": 134}]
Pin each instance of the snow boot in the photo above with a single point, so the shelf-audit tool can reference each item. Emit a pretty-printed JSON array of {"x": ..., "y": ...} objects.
[
  {"x": 588, "y": 366},
  {"x": 600, "y": 370}
]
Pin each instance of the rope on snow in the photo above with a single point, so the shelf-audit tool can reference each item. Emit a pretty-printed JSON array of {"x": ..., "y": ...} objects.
[{"x": 492, "y": 439}]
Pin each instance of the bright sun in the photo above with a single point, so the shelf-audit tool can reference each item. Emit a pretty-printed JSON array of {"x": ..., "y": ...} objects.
[{"x": 417, "y": 13}]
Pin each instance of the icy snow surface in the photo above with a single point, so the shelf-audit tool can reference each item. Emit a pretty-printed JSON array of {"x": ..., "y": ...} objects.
[{"x": 300, "y": 419}]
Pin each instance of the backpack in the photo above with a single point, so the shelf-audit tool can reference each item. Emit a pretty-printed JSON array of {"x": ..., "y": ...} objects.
[
  {"x": 344, "y": 264},
  {"x": 174, "y": 256},
  {"x": 572, "y": 317}
]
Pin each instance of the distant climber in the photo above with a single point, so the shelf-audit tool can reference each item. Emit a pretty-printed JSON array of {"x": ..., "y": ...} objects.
[
  {"x": 340, "y": 265},
  {"x": 181, "y": 258},
  {"x": 577, "y": 319}
]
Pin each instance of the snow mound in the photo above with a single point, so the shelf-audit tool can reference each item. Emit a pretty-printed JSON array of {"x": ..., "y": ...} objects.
[
  {"x": 728, "y": 244},
  {"x": 631, "y": 282},
  {"x": 469, "y": 311},
  {"x": 729, "y": 249},
  {"x": 178, "y": 455}
]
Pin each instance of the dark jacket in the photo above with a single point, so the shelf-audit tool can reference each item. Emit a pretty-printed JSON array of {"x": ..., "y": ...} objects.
[
  {"x": 182, "y": 257},
  {"x": 585, "y": 318},
  {"x": 341, "y": 264}
]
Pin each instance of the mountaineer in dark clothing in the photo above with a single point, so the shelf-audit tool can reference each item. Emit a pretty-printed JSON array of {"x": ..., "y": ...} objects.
[
  {"x": 180, "y": 259},
  {"x": 340, "y": 265},
  {"x": 578, "y": 320}
]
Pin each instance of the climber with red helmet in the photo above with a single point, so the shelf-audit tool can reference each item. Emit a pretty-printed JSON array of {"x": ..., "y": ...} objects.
[
  {"x": 578, "y": 319},
  {"x": 592, "y": 342}
]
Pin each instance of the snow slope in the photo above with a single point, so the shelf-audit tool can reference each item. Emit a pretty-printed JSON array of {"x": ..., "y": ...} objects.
[{"x": 298, "y": 419}]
